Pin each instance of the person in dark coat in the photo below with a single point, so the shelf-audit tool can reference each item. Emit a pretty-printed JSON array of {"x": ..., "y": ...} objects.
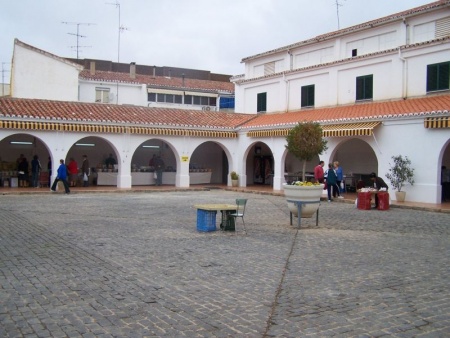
[
  {"x": 378, "y": 183},
  {"x": 35, "y": 170},
  {"x": 331, "y": 181},
  {"x": 23, "y": 172}
]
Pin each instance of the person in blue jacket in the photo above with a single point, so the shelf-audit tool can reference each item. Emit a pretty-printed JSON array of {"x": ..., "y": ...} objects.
[
  {"x": 331, "y": 181},
  {"x": 340, "y": 178},
  {"x": 61, "y": 176}
]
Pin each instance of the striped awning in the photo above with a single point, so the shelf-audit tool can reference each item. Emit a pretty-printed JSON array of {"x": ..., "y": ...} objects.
[
  {"x": 349, "y": 129},
  {"x": 114, "y": 129},
  {"x": 437, "y": 122},
  {"x": 335, "y": 130}
]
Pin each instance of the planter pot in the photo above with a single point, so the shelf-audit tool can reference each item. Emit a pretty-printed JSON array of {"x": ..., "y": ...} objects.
[
  {"x": 304, "y": 194},
  {"x": 400, "y": 196},
  {"x": 235, "y": 183}
]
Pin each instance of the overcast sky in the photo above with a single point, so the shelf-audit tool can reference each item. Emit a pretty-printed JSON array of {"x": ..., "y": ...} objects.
[{"x": 211, "y": 35}]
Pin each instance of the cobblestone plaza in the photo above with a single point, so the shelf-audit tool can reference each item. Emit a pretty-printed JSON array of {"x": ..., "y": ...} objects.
[{"x": 134, "y": 265}]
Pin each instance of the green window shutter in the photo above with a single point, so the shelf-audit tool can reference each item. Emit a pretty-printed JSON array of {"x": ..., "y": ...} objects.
[
  {"x": 261, "y": 102},
  {"x": 438, "y": 76},
  {"x": 307, "y": 96},
  {"x": 364, "y": 87}
]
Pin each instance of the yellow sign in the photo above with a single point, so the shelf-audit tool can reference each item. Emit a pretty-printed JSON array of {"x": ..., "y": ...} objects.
[{"x": 184, "y": 158}]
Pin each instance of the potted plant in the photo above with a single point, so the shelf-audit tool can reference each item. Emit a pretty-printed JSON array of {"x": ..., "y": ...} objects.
[
  {"x": 234, "y": 179},
  {"x": 399, "y": 173},
  {"x": 305, "y": 142}
]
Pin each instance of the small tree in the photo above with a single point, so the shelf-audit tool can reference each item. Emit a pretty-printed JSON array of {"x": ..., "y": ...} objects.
[
  {"x": 400, "y": 172},
  {"x": 305, "y": 141}
]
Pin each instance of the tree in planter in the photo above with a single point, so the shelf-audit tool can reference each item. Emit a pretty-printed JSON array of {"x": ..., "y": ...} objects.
[
  {"x": 305, "y": 141},
  {"x": 400, "y": 172}
]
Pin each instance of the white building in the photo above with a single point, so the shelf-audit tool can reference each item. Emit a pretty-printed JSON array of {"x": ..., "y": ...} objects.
[
  {"x": 378, "y": 89},
  {"x": 39, "y": 74}
]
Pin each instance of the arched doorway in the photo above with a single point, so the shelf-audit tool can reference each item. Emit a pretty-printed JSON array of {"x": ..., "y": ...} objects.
[{"x": 23, "y": 146}]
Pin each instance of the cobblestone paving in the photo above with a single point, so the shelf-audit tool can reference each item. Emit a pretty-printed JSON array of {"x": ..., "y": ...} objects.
[{"x": 133, "y": 265}]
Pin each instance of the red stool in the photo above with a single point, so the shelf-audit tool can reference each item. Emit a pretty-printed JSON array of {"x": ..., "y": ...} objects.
[
  {"x": 364, "y": 199},
  {"x": 383, "y": 200}
]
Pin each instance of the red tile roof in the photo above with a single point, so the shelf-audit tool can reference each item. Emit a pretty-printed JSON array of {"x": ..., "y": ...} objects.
[
  {"x": 32, "y": 109},
  {"x": 436, "y": 104},
  {"x": 108, "y": 113},
  {"x": 160, "y": 81}
]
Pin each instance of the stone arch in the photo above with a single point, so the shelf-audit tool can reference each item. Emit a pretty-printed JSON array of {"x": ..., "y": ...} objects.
[
  {"x": 206, "y": 158},
  {"x": 259, "y": 163},
  {"x": 357, "y": 159}
]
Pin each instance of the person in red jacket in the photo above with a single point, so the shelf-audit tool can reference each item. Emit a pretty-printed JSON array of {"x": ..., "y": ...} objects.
[
  {"x": 72, "y": 168},
  {"x": 318, "y": 172}
]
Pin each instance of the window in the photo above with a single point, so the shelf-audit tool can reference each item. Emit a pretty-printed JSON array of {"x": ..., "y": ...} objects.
[
  {"x": 226, "y": 102},
  {"x": 438, "y": 76},
  {"x": 261, "y": 102},
  {"x": 197, "y": 100},
  {"x": 308, "y": 96},
  {"x": 102, "y": 95},
  {"x": 164, "y": 98},
  {"x": 200, "y": 100},
  {"x": 364, "y": 87}
]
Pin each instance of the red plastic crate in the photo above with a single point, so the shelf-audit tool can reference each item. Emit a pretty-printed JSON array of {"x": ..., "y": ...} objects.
[
  {"x": 364, "y": 200},
  {"x": 383, "y": 200}
]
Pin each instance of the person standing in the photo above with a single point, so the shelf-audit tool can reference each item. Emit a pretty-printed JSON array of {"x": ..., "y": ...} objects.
[
  {"x": 23, "y": 172},
  {"x": 72, "y": 168},
  {"x": 378, "y": 183},
  {"x": 110, "y": 162},
  {"x": 35, "y": 170},
  {"x": 61, "y": 176},
  {"x": 85, "y": 171},
  {"x": 318, "y": 172},
  {"x": 340, "y": 178},
  {"x": 331, "y": 181},
  {"x": 159, "y": 168},
  {"x": 49, "y": 168}
]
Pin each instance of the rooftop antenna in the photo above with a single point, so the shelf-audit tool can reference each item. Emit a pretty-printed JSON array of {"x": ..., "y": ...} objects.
[
  {"x": 77, "y": 34},
  {"x": 338, "y": 4},
  {"x": 3, "y": 76},
  {"x": 121, "y": 29}
]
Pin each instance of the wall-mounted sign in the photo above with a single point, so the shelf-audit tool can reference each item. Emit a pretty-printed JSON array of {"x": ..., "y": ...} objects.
[{"x": 184, "y": 158}]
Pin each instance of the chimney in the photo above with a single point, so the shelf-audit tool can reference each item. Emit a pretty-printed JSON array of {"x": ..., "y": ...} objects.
[
  {"x": 92, "y": 68},
  {"x": 170, "y": 73},
  {"x": 182, "y": 76},
  {"x": 133, "y": 70},
  {"x": 154, "y": 71}
]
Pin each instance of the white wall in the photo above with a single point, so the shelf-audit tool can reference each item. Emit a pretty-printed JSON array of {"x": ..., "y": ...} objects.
[{"x": 37, "y": 74}]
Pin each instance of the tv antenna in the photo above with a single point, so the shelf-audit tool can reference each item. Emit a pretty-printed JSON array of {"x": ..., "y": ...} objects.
[
  {"x": 338, "y": 4},
  {"x": 77, "y": 34},
  {"x": 121, "y": 30},
  {"x": 3, "y": 76}
]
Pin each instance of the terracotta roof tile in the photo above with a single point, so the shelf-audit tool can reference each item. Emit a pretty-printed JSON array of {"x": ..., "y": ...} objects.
[
  {"x": 136, "y": 115},
  {"x": 355, "y": 112},
  {"x": 160, "y": 81},
  {"x": 107, "y": 113}
]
